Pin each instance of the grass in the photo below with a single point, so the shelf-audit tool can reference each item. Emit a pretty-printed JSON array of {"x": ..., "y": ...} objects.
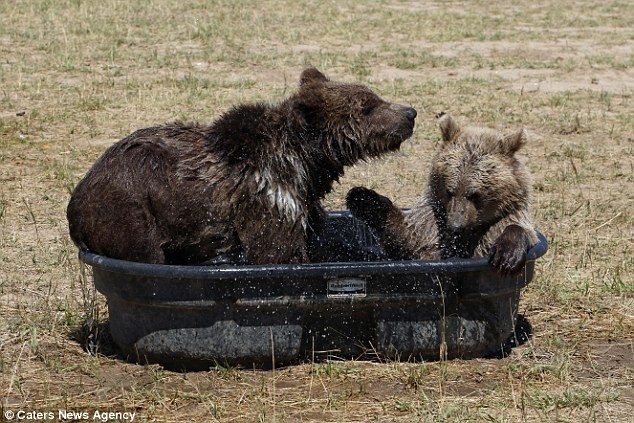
[{"x": 77, "y": 75}]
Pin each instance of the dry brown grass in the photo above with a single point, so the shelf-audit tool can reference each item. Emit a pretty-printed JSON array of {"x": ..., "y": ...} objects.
[{"x": 77, "y": 75}]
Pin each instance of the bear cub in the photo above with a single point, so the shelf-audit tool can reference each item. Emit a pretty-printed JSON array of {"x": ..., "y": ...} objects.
[
  {"x": 476, "y": 203},
  {"x": 249, "y": 185}
]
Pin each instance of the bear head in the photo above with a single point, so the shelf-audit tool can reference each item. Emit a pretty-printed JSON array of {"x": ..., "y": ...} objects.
[
  {"x": 350, "y": 121},
  {"x": 476, "y": 179}
]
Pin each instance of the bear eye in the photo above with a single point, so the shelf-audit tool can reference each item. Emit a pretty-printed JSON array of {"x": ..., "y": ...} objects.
[
  {"x": 450, "y": 192},
  {"x": 474, "y": 197},
  {"x": 367, "y": 109}
]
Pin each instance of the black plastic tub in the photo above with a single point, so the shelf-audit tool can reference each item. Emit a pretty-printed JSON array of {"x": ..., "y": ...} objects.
[{"x": 192, "y": 317}]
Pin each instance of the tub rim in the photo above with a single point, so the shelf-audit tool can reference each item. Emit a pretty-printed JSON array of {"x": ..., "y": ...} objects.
[{"x": 326, "y": 269}]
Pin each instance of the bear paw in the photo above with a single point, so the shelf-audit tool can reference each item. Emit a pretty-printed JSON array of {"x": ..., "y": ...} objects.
[
  {"x": 508, "y": 252},
  {"x": 369, "y": 206}
]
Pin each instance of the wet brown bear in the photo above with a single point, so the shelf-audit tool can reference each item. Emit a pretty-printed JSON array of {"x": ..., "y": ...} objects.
[
  {"x": 476, "y": 204},
  {"x": 250, "y": 183}
]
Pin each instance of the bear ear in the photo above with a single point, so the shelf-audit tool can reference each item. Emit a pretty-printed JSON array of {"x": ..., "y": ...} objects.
[
  {"x": 311, "y": 75},
  {"x": 448, "y": 126},
  {"x": 513, "y": 142}
]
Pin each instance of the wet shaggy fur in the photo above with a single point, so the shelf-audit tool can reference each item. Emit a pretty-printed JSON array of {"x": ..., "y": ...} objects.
[
  {"x": 476, "y": 203},
  {"x": 249, "y": 184}
]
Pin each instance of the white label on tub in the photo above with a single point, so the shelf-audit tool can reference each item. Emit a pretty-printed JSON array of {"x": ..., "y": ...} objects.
[{"x": 342, "y": 288}]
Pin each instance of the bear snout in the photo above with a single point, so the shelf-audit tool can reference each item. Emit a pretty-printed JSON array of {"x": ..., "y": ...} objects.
[
  {"x": 456, "y": 229},
  {"x": 410, "y": 114},
  {"x": 461, "y": 216}
]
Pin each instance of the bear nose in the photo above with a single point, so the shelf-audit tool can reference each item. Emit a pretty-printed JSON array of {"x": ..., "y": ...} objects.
[
  {"x": 410, "y": 113},
  {"x": 456, "y": 230}
]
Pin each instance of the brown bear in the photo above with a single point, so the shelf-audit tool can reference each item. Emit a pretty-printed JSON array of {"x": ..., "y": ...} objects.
[
  {"x": 249, "y": 184},
  {"x": 476, "y": 203}
]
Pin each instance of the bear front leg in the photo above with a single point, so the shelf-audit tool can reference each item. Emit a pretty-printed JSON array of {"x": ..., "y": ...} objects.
[
  {"x": 384, "y": 217},
  {"x": 508, "y": 252}
]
